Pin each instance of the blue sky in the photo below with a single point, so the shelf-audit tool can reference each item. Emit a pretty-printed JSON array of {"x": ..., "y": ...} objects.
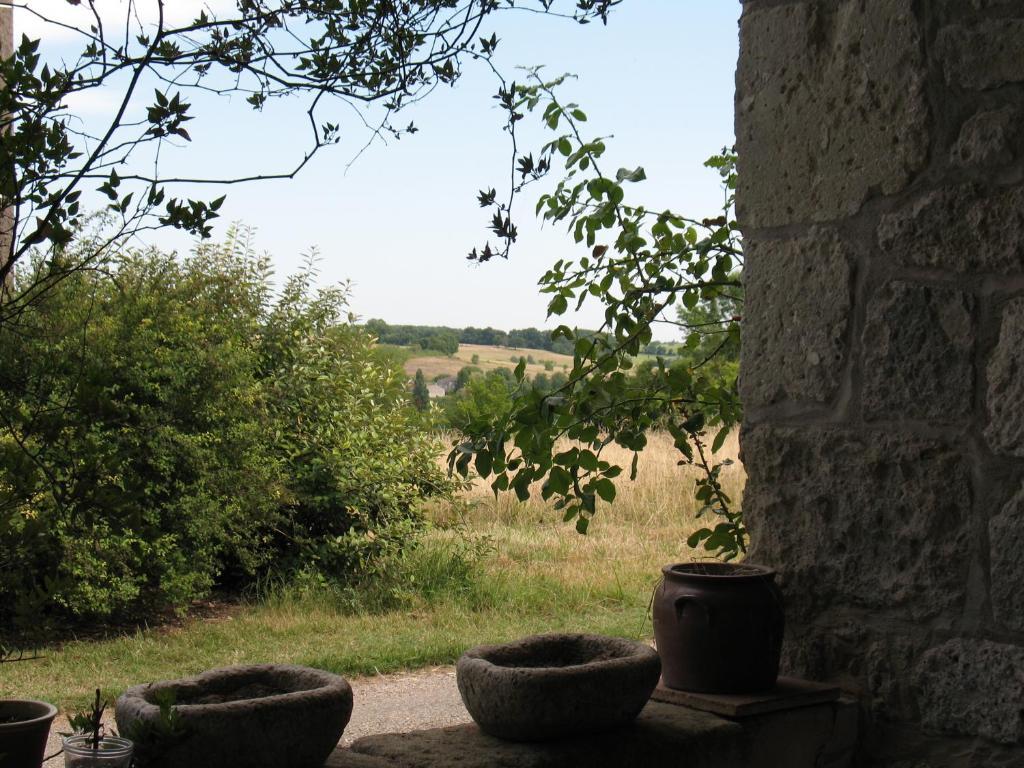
[{"x": 398, "y": 223}]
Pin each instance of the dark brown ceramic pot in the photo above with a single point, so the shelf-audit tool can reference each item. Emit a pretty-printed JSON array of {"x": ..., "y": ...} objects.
[
  {"x": 718, "y": 627},
  {"x": 24, "y": 727}
]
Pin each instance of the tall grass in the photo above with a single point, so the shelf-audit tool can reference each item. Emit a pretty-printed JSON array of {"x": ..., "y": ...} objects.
[{"x": 487, "y": 570}]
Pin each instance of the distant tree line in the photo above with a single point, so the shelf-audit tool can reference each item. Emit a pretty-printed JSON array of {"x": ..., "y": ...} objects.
[{"x": 446, "y": 340}]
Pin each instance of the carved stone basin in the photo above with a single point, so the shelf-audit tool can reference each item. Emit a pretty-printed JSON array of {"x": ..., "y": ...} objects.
[
  {"x": 550, "y": 686},
  {"x": 260, "y": 716}
]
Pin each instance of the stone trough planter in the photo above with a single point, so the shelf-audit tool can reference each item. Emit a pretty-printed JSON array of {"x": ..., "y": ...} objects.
[
  {"x": 262, "y": 716},
  {"x": 553, "y": 686}
]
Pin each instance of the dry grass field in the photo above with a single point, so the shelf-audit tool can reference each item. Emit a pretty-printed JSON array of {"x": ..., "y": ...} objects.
[
  {"x": 489, "y": 358},
  {"x": 627, "y": 542}
]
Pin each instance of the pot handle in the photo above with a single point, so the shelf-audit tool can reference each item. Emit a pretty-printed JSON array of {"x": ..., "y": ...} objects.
[{"x": 681, "y": 601}]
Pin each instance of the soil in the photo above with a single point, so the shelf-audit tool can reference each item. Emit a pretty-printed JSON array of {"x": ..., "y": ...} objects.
[{"x": 251, "y": 691}]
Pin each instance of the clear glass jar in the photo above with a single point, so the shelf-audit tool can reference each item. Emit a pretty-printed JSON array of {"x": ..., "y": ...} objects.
[{"x": 112, "y": 752}]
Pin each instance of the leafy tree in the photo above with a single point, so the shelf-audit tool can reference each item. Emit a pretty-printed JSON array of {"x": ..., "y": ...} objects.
[
  {"x": 420, "y": 393},
  {"x": 475, "y": 359},
  {"x": 483, "y": 399},
  {"x": 444, "y": 342},
  {"x": 466, "y": 373},
  {"x": 640, "y": 266}
]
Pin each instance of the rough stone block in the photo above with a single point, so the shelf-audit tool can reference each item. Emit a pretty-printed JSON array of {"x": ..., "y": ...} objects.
[
  {"x": 974, "y": 688},
  {"x": 984, "y": 55},
  {"x": 1006, "y": 543},
  {"x": 858, "y": 518},
  {"x": 830, "y": 108},
  {"x": 918, "y": 346},
  {"x": 965, "y": 229},
  {"x": 1005, "y": 430},
  {"x": 987, "y": 138},
  {"x": 664, "y": 735},
  {"x": 868, "y": 662},
  {"x": 794, "y": 330}
]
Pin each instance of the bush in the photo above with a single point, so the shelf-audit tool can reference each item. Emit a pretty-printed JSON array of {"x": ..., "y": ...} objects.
[
  {"x": 465, "y": 373},
  {"x": 482, "y": 398},
  {"x": 168, "y": 427}
]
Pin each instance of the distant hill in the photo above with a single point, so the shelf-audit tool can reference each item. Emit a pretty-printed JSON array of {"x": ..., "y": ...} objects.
[
  {"x": 445, "y": 339},
  {"x": 488, "y": 357}
]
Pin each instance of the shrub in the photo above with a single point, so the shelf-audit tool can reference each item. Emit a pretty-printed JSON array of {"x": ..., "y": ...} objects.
[
  {"x": 481, "y": 399},
  {"x": 168, "y": 427},
  {"x": 465, "y": 373}
]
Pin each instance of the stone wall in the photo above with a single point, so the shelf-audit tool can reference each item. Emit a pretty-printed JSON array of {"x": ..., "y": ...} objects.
[{"x": 881, "y": 147}]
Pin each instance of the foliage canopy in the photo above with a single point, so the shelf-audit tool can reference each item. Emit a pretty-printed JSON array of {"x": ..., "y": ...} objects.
[
  {"x": 168, "y": 425},
  {"x": 644, "y": 267}
]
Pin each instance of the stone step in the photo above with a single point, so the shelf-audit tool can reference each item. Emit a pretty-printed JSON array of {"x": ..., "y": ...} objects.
[{"x": 663, "y": 736}]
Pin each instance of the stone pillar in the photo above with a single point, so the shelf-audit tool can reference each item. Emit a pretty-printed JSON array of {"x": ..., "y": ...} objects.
[{"x": 881, "y": 150}]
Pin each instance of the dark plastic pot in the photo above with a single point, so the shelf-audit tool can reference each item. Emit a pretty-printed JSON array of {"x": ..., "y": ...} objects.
[
  {"x": 718, "y": 627},
  {"x": 24, "y": 726}
]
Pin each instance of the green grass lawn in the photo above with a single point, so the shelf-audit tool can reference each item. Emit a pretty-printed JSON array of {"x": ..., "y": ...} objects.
[{"x": 490, "y": 571}]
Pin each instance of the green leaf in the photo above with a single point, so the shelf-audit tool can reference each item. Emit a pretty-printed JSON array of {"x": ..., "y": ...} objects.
[
  {"x": 483, "y": 463},
  {"x": 605, "y": 488},
  {"x": 520, "y": 371},
  {"x": 587, "y": 460},
  {"x": 521, "y": 485},
  {"x": 720, "y": 439},
  {"x": 695, "y": 423},
  {"x": 558, "y": 305},
  {"x": 559, "y": 480},
  {"x": 637, "y": 174},
  {"x": 582, "y": 523}
]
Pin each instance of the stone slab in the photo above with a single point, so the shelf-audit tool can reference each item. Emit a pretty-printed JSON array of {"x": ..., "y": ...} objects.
[
  {"x": 918, "y": 354},
  {"x": 795, "y": 318},
  {"x": 1006, "y": 559},
  {"x": 664, "y": 736},
  {"x": 973, "y": 687},
  {"x": 874, "y": 519},
  {"x": 967, "y": 228},
  {"x": 984, "y": 55},
  {"x": 1005, "y": 430},
  {"x": 830, "y": 108},
  {"x": 789, "y": 693}
]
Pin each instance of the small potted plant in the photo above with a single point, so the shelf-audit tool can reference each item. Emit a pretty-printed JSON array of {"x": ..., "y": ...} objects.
[{"x": 90, "y": 747}]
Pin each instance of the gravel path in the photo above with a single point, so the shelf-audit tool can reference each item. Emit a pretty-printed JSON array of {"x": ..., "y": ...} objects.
[{"x": 427, "y": 698}]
